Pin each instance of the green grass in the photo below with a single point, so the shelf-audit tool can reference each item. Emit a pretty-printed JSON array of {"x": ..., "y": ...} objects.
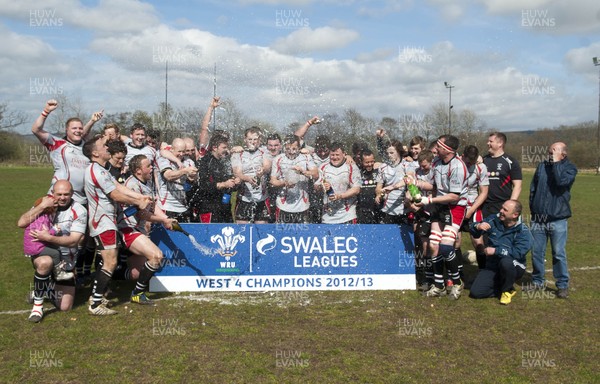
[{"x": 330, "y": 337}]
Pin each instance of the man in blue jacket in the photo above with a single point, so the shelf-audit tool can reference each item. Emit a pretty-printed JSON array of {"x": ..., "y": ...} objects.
[
  {"x": 549, "y": 198},
  {"x": 509, "y": 240}
]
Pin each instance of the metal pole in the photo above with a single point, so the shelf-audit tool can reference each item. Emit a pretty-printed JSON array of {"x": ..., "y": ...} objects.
[
  {"x": 597, "y": 64},
  {"x": 449, "y": 86},
  {"x": 598, "y": 133},
  {"x": 450, "y": 111}
]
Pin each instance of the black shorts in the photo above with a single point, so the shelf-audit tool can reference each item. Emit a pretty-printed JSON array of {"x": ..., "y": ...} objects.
[
  {"x": 491, "y": 208},
  {"x": 251, "y": 211},
  {"x": 440, "y": 213},
  {"x": 394, "y": 219},
  {"x": 423, "y": 229},
  {"x": 291, "y": 217},
  {"x": 368, "y": 216}
]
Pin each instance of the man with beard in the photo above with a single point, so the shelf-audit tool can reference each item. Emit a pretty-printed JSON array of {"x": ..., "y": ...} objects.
[{"x": 211, "y": 194}]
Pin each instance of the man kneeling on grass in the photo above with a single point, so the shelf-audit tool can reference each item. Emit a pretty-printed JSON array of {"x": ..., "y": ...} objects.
[{"x": 508, "y": 242}]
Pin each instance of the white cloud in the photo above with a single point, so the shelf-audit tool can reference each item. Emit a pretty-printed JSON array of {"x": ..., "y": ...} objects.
[
  {"x": 580, "y": 59},
  {"x": 376, "y": 55},
  {"x": 306, "y": 40},
  {"x": 565, "y": 16},
  {"x": 109, "y": 16}
]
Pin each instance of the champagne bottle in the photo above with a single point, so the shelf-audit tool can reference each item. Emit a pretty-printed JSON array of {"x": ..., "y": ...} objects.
[
  {"x": 330, "y": 191},
  {"x": 177, "y": 227},
  {"x": 415, "y": 194}
]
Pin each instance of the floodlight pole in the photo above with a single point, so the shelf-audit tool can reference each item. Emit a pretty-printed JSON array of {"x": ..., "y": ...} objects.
[
  {"x": 597, "y": 64},
  {"x": 450, "y": 106}
]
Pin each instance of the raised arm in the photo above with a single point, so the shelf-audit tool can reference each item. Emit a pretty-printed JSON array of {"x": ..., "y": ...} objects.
[
  {"x": 204, "y": 137},
  {"x": 301, "y": 132},
  {"x": 96, "y": 116},
  {"x": 38, "y": 125}
]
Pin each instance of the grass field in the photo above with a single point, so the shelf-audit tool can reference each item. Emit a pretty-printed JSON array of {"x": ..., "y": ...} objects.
[{"x": 312, "y": 337}]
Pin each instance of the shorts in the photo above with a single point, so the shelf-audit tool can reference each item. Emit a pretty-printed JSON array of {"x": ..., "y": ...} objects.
[
  {"x": 423, "y": 229},
  {"x": 291, "y": 217},
  {"x": 491, "y": 208},
  {"x": 106, "y": 240},
  {"x": 394, "y": 219},
  {"x": 54, "y": 253},
  {"x": 476, "y": 218},
  {"x": 128, "y": 235},
  {"x": 368, "y": 216},
  {"x": 448, "y": 214},
  {"x": 251, "y": 211}
]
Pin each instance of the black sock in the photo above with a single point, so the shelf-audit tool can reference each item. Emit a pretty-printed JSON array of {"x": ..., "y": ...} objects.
[
  {"x": 448, "y": 254},
  {"x": 145, "y": 275},
  {"x": 41, "y": 284},
  {"x": 100, "y": 285},
  {"x": 459, "y": 260},
  {"x": 437, "y": 263}
]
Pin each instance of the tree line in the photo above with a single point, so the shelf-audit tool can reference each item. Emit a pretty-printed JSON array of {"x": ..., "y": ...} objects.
[{"x": 348, "y": 126}]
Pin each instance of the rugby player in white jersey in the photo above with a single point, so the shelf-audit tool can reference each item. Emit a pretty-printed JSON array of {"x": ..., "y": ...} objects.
[
  {"x": 252, "y": 167},
  {"x": 173, "y": 182},
  {"x": 290, "y": 173},
  {"x": 447, "y": 213},
  {"x": 102, "y": 191},
  {"x": 133, "y": 228},
  {"x": 69, "y": 164},
  {"x": 341, "y": 183},
  {"x": 66, "y": 153},
  {"x": 69, "y": 222}
]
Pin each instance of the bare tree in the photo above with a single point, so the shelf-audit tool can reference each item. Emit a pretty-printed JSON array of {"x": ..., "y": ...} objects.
[
  {"x": 469, "y": 127},
  {"x": 10, "y": 119}
]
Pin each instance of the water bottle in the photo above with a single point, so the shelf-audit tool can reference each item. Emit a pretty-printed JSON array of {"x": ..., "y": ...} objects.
[{"x": 226, "y": 199}]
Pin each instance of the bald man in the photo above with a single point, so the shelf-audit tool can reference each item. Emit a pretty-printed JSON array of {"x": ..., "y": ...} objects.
[
  {"x": 70, "y": 220},
  {"x": 173, "y": 182},
  {"x": 506, "y": 248},
  {"x": 549, "y": 203}
]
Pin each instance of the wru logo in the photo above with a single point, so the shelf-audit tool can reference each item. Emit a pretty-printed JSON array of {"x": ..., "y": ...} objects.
[{"x": 227, "y": 240}]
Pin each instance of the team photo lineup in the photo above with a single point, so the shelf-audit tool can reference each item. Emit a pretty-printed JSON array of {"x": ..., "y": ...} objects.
[{"x": 112, "y": 184}]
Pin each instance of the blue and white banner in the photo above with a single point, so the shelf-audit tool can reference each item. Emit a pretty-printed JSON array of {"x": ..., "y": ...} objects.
[{"x": 285, "y": 257}]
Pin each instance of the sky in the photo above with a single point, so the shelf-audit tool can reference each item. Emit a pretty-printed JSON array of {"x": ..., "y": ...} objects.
[{"x": 519, "y": 65}]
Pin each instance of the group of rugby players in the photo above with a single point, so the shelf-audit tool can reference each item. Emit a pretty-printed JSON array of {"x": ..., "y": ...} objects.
[{"x": 128, "y": 182}]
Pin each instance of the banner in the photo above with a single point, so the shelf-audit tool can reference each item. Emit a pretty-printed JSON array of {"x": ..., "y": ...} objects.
[{"x": 285, "y": 257}]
